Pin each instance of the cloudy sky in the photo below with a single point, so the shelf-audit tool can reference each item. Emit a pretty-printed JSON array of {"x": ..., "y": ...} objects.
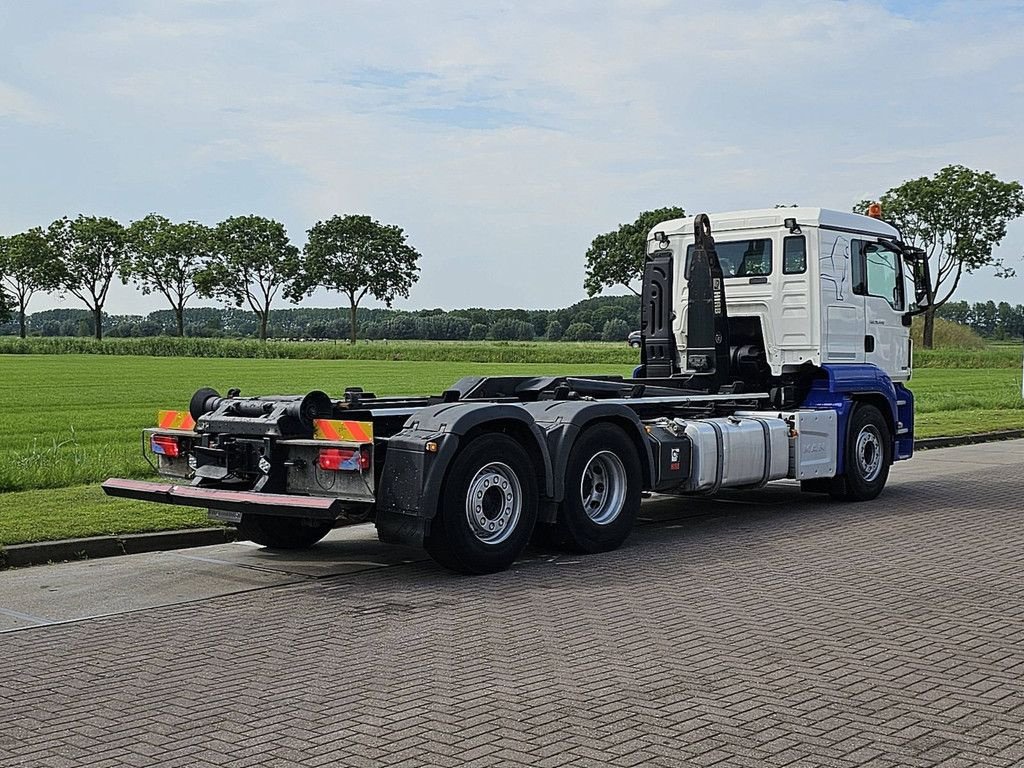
[{"x": 501, "y": 136}]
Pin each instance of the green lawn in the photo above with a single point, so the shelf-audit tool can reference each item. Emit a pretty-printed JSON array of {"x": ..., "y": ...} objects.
[
  {"x": 69, "y": 421},
  {"x": 579, "y": 352},
  {"x": 964, "y": 401},
  {"x": 84, "y": 510},
  {"x": 74, "y": 419}
]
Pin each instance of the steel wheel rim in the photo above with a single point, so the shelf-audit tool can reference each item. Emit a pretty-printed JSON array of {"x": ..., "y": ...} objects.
[
  {"x": 603, "y": 488},
  {"x": 494, "y": 503},
  {"x": 869, "y": 453}
]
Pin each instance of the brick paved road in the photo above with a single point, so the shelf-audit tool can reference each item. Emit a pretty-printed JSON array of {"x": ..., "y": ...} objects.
[{"x": 788, "y": 633}]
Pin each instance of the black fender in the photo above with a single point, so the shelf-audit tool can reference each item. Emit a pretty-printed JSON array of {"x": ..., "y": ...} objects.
[
  {"x": 564, "y": 420},
  {"x": 410, "y": 484}
]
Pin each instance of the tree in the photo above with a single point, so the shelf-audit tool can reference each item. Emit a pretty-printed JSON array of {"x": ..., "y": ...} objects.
[
  {"x": 89, "y": 251},
  {"x": 27, "y": 266},
  {"x": 6, "y": 306},
  {"x": 478, "y": 331},
  {"x": 579, "y": 332},
  {"x": 617, "y": 258},
  {"x": 252, "y": 261},
  {"x": 554, "y": 331},
  {"x": 165, "y": 257},
  {"x": 957, "y": 311},
  {"x": 957, "y": 216},
  {"x": 356, "y": 256},
  {"x": 401, "y": 326},
  {"x": 509, "y": 329},
  {"x": 445, "y": 326},
  {"x": 1007, "y": 326},
  {"x": 615, "y": 330},
  {"x": 986, "y": 318}
]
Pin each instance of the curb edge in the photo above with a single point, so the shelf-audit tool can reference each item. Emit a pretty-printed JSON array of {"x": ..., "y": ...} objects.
[{"x": 39, "y": 552}]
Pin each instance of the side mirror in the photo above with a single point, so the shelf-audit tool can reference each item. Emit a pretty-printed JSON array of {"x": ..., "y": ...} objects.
[{"x": 917, "y": 262}]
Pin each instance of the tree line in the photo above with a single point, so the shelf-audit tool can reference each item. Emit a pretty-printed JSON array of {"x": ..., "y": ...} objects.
[
  {"x": 607, "y": 318},
  {"x": 957, "y": 216},
  {"x": 244, "y": 261},
  {"x": 1002, "y": 321}
]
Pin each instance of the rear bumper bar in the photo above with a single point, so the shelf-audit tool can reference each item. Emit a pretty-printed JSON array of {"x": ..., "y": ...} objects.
[{"x": 231, "y": 501}]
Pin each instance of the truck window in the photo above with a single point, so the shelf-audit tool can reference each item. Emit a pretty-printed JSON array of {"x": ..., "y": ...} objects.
[
  {"x": 883, "y": 273},
  {"x": 794, "y": 255},
  {"x": 876, "y": 272},
  {"x": 860, "y": 285},
  {"x": 742, "y": 258}
]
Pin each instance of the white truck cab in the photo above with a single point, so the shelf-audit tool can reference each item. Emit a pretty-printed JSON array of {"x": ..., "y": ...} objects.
[{"x": 807, "y": 285}]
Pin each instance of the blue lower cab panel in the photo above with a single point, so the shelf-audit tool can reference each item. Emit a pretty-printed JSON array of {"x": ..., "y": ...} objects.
[
  {"x": 836, "y": 390},
  {"x": 821, "y": 398}
]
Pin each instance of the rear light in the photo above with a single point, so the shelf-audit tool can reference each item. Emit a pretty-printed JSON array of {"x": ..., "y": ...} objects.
[
  {"x": 336, "y": 459},
  {"x": 165, "y": 445}
]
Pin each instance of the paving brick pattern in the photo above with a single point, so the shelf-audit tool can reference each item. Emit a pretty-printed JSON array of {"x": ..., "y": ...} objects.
[{"x": 790, "y": 633}]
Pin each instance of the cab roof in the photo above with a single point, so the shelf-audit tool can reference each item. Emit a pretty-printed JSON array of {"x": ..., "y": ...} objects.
[{"x": 774, "y": 217}]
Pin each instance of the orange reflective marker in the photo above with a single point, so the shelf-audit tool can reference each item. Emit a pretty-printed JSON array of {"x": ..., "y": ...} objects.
[
  {"x": 175, "y": 420},
  {"x": 336, "y": 429}
]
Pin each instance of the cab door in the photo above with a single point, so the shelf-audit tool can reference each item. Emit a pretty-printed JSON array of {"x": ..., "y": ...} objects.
[
  {"x": 842, "y": 308},
  {"x": 878, "y": 277}
]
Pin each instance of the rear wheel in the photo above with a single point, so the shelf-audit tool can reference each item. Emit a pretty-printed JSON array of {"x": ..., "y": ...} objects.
[
  {"x": 277, "y": 532},
  {"x": 603, "y": 482},
  {"x": 488, "y": 507}
]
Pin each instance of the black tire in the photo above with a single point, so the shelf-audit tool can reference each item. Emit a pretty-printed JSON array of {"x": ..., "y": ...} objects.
[
  {"x": 494, "y": 470},
  {"x": 868, "y": 456},
  {"x": 277, "y": 532},
  {"x": 603, "y": 486}
]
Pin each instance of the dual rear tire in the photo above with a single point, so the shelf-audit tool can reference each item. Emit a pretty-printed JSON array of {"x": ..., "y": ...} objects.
[
  {"x": 488, "y": 507},
  {"x": 603, "y": 485},
  {"x": 489, "y": 502}
]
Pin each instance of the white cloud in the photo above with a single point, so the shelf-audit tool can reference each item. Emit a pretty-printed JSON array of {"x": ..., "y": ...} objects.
[{"x": 18, "y": 105}]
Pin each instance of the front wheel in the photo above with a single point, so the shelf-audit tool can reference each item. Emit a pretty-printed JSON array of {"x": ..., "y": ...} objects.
[
  {"x": 488, "y": 507},
  {"x": 278, "y": 532},
  {"x": 868, "y": 456},
  {"x": 603, "y": 482}
]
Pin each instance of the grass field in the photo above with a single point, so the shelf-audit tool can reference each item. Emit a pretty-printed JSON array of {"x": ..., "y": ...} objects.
[
  {"x": 71, "y": 420},
  {"x": 577, "y": 352},
  {"x": 961, "y": 401},
  {"x": 994, "y": 355}
]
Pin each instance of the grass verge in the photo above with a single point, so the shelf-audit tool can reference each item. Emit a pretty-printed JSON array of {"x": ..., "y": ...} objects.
[{"x": 84, "y": 510}]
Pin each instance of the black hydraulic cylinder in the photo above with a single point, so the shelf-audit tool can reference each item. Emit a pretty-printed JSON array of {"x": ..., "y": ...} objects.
[
  {"x": 658, "y": 353},
  {"x": 707, "y": 323}
]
